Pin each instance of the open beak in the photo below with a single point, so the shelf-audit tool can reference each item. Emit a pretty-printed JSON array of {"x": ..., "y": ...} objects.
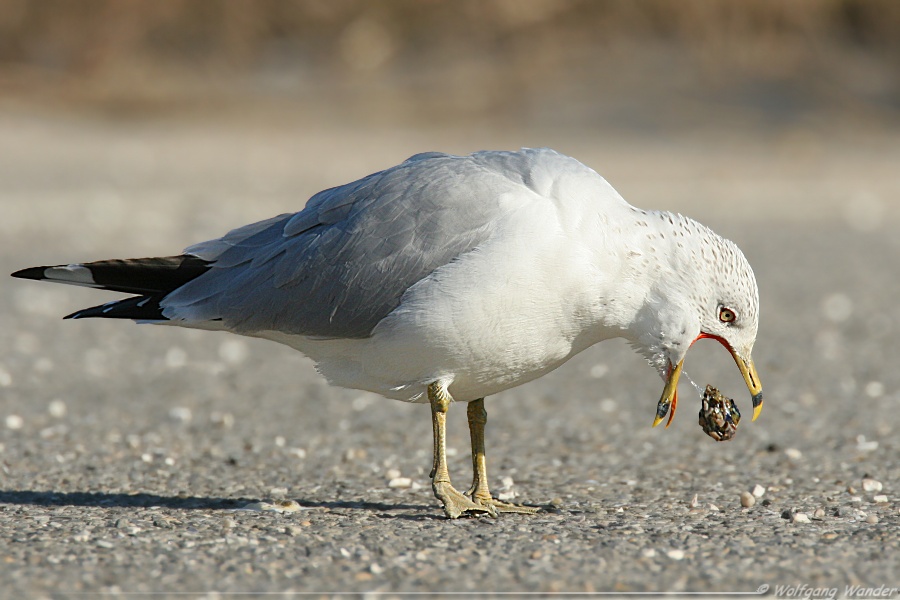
[{"x": 669, "y": 398}]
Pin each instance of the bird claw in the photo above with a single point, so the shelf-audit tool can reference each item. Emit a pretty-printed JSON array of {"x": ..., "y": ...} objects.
[
  {"x": 507, "y": 507},
  {"x": 456, "y": 504}
]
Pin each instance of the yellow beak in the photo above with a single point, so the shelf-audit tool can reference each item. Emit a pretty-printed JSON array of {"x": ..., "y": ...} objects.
[{"x": 748, "y": 370}]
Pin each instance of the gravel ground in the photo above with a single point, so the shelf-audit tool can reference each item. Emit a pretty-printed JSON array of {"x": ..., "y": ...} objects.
[{"x": 127, "y": 450}]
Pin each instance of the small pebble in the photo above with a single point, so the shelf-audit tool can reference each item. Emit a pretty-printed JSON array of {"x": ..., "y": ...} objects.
[
  {"x": 758, "y": 491},
  {"x": 175, "y": 358},
  {"x": 787, "y": 514},
  {"x": 793, "y": 454},
  {"x": 181, "y": 414},
  {"x": 713, "y": 508},
  {"x": 233, "y": 351},
  {"x": 57, "y": 408},
  {"x": 357, "y": 454},
  {"x": 837, "y": 307},
  {"x": 506, "y": 496},
  {"x": 819, "y": 513},
  {"x": 872, "y": 519},
  {"x": 874, "y": 389},
  {"x": 392, "y": 473},
  {"x": 694, "y": 502},
  {"x": 225, "y": 420},
  {"x": 865, "y": 446},
  {"x": 14, "y": 422},
  {"x": 599, "y": 371},
  {"x": 648, "y": 553},
  {"x": 800, "y": 518},
  {"x": 747, "y": 499},
  {"x": 675, "y": 554},
  {"x": 82, "y": 536},
  {"x": 49, "y": 432},
  {"x": 400, "y": 482},
  {"x": 609, "y": 405},
  {"x": 880, "y": 499},
  {"x": 556, "y": 501},
  {"x": 297, "y": 452},
  {"x": 871, "y": 485}
]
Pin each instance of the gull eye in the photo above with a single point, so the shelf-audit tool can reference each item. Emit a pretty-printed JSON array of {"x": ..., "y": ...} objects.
[{"x": 726, "y": 315}]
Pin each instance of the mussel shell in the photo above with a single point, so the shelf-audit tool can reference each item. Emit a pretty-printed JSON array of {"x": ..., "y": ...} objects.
[{"x": 719, "y": 416}]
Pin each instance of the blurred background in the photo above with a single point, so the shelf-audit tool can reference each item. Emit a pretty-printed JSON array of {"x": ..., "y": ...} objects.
[
  {"x": 280, "y": 98},
  {"x": 492, "y": 72},
  {"x": 582, "y": 65}
]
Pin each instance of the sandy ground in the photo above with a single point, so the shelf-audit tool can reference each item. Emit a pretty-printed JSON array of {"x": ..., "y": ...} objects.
[{"x": 125, "y": 449}]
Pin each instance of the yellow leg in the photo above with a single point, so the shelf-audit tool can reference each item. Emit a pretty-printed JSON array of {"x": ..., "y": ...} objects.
[
  {"x": 455, "y": 503},
  {"x": 479, "y": 491}
]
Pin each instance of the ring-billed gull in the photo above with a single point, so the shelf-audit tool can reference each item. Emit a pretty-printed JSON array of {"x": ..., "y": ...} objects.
[{"x": 452, "y": 278}]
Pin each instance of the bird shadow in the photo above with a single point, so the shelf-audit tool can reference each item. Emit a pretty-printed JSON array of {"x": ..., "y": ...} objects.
[{"x": 142, "y": 500}]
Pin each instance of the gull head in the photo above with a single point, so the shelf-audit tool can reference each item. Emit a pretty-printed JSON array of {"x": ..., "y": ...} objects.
[{"x": 703, "y": 288}]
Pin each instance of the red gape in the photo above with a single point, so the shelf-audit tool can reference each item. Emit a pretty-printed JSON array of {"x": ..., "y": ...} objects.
[{"x": 669, "y": 372}]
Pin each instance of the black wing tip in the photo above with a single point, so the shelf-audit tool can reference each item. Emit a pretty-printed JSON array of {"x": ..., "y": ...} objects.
[
  {"x": 143, "y": 276},
  {"x": 35, "y": 273},
  {"x": 84, "y": 313},
  {"x": 136, "y": 308}
]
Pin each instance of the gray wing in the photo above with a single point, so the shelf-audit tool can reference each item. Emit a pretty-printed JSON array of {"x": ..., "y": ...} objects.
[{"x": 341, "y": 265}]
